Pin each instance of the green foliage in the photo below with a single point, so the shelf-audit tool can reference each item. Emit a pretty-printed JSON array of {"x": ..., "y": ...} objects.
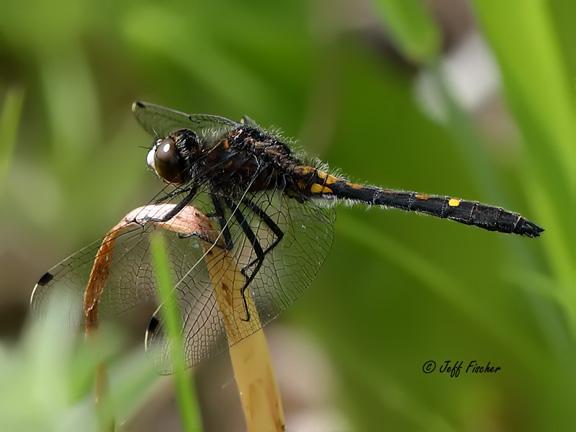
[
  {"x": 47, "y": 378},
  {"x": 9, "y": 120},
  {"x": 541, "y": 96},
  {"x": 173, "y": 322},
  {"x": 412, "y": 27}
]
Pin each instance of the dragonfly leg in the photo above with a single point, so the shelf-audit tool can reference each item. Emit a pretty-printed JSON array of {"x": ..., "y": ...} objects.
[
  {"x": 269, "y": 223},
  {"x": 175, "y": 210},
  {"x": 219, "y": 213},
  {"x": 249, "y": 233},
  {"x": 245, "y": 226},
  {"x": 174, "y": 193}
]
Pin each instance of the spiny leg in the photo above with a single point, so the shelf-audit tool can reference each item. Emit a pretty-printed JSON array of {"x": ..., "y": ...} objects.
[
  {"x": 219, "y": 213},
  {"x": 245, "y": 226},
  {"x": 176, "y": 209},
  {"x": 269, "y": 223},
  {"x": 174, "y": 193}
]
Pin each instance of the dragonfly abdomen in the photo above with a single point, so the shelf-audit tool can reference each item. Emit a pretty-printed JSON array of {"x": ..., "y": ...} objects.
[
  {"x": 485, "y": 216},
  {"x": 492, "y": 218}
]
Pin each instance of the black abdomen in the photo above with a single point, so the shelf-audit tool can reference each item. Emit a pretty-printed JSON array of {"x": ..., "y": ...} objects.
[
  {"x": 318, "y": 184},
  {"x": 467, "y": 212}
]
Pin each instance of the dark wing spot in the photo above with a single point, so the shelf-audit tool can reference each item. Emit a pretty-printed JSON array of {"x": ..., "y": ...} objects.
[
  {"x": 46, "y": 278},
  {"x": 153, "y": 325}
]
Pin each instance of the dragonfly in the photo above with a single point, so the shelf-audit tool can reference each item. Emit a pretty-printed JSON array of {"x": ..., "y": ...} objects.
[{"x": 273, "y": 209}]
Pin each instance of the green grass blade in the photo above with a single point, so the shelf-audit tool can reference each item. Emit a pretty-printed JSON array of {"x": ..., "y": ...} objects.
[
  {"x": 9, "y": 120},
  {"x": 534, "y": 77},
  {"x": 538, "y": 90},
  {"x": 187, "y": 403},
  {"x": 412, "y": 27}
]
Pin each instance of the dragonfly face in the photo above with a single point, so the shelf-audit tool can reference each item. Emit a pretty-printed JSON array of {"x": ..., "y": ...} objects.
[{"x": 268, "y": 205}]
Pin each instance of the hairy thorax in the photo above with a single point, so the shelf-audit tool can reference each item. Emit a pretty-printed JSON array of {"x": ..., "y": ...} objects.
[{"x": 249, "y": 159}]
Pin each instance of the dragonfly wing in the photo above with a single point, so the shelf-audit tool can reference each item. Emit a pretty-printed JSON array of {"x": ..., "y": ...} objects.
[
  {"x": 128, "y": 284},
  {"x": 159, "y": 121},
  {"x": 288, "y": 264},
  {"x": 286, "y": 271}
]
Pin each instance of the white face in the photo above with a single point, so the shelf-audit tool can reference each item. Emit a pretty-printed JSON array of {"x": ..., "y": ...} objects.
[{"x": 150, "y": 158}]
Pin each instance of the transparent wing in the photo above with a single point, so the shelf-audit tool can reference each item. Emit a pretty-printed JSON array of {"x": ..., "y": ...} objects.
[
  {"x": 159, "y": 121},
  {"x": 128, "y": 283},
  {"x": 130, "y": 279},
  {"x": 286, "y": 271}
]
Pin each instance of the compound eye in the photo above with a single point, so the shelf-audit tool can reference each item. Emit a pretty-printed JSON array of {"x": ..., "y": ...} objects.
[{"x": 168, "y": 163}]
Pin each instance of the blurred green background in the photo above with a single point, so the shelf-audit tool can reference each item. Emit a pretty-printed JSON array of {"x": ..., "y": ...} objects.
[{"x": 472, "y": 99}]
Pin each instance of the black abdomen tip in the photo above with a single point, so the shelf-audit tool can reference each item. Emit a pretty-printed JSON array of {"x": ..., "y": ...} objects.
[{"x": 527, "y": 228}]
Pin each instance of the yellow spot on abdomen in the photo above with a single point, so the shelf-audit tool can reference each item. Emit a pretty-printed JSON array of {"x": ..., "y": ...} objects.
[
  {"x": 422, "y": 197},
  {"x": 329, "y": 179},
  {"x": 454, "y": 202},
  {"x": 316, "y": 188}
]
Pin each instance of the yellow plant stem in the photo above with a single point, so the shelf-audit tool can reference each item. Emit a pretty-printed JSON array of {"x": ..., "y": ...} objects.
[{"x": 250, "y": 356}]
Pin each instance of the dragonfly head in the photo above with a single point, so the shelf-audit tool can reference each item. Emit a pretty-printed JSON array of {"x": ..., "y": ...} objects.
[{"x": 171, "y": 157}]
